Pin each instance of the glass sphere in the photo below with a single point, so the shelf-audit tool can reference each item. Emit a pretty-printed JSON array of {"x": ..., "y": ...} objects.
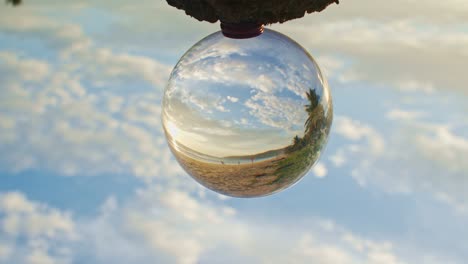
[{"x": 247, "y": 117}]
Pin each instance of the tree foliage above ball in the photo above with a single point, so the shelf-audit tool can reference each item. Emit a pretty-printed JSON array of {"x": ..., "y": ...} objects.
[
  {"x": 258, "y": 11},
  {"x": 13, "y": 2}
]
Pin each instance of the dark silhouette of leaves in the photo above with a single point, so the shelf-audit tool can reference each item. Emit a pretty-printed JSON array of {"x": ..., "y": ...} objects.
[
  {"x": 314, "y": 112},
  {"x": 13, "y": 2}
]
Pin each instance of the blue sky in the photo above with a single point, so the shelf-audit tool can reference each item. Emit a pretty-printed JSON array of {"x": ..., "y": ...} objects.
[{"x": 86, "y": 175}]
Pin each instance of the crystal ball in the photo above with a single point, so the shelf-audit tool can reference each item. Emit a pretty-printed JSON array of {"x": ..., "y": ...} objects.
[{"x": 247, "y": 117}]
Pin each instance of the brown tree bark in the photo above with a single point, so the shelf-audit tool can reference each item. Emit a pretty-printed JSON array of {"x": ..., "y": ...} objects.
[{"x": 254, "y": 11}]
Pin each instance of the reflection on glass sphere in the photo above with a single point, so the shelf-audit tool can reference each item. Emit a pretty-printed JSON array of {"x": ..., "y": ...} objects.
[{"x": 247, "y": 117}]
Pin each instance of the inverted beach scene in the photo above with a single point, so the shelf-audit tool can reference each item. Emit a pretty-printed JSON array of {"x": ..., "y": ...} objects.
[{"x": 247, "y": 117}]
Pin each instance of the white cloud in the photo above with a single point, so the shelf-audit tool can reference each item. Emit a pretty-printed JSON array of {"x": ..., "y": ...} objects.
[
  {"x": 349, "y": 248},
  {"x": 399, "y": 46},
  {"x": 330, "y": 65},
  {"x": 416, "y": 86},
  {"x": 355, "y": 131},
  {"x": 460, "y": 205},
  {"x": 77, "y": 136},
  {"x": 403, "y": 115},
  {"x": 65, "y": 37},
  {"x": 338, "y": 159},
  {"x": 16, "y": 202},
  {"x": 447, "y": 153},
  {"x": 233, "y": 99},
  {"x": 32, "y": 232},
  {"x": 366, "y": 146},
  {"x": 419, "y": 156},
  {"x": 320, "y": 253},
  {"x": 24, "y": 217},
  {"x": 39, "y": 257},
  {"x": 277, "y": 112},
  {"x": 27, "y": 70},
  {"x": 172, "y": 225},
  {"x": 320, "y": 170},
  {"x": 451, "y": 11},
  {"x": 105, "y": 65},
  {"x": 441, "y": 145},
  {"x": 55, "y": 116},
  {"x": 5, "y": 251}
]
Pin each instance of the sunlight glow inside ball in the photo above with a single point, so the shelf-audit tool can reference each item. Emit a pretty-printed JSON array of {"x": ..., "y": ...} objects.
[{"x": 247, "y": 117}]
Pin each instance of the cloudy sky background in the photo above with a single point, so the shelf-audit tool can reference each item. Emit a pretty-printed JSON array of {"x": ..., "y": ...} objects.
[{"x": 87, "y": 177}]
